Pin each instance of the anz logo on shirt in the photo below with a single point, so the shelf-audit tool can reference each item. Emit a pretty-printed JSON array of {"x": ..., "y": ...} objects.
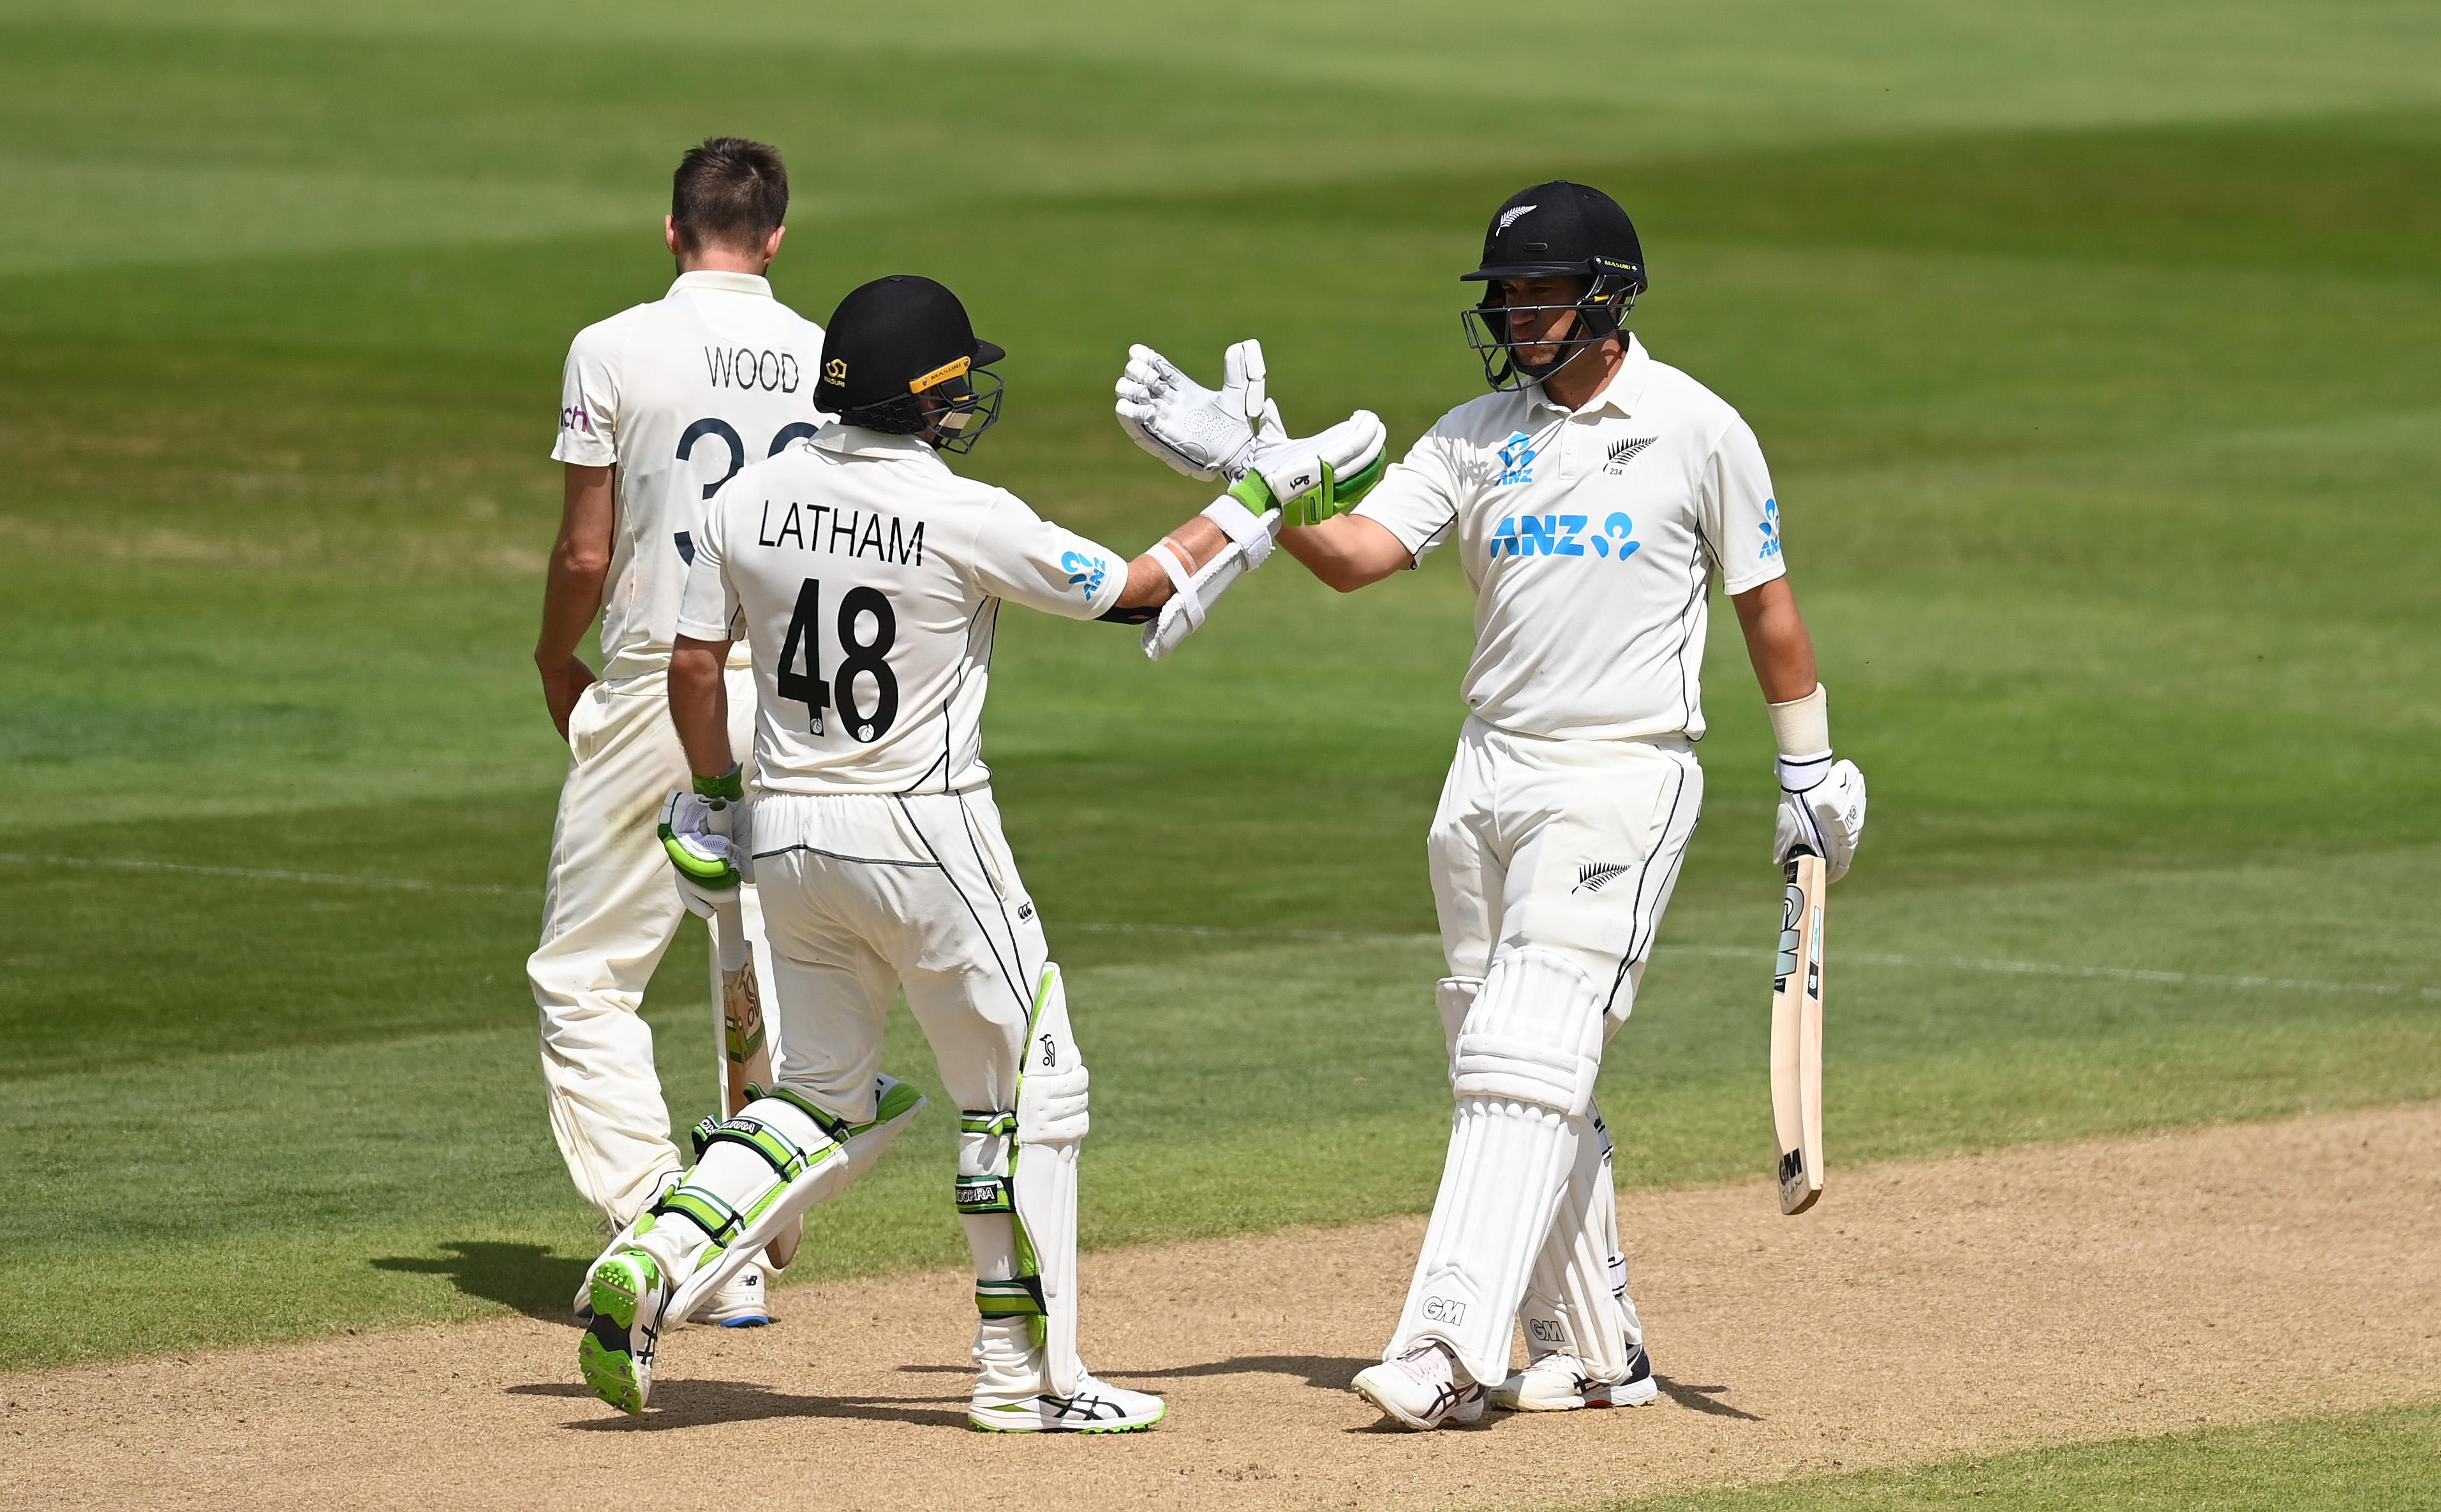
[
  {"x": 1516, "y": 462},
  {"x": 1563, "y": 535},
  {"x": 1084, "y": 572}
]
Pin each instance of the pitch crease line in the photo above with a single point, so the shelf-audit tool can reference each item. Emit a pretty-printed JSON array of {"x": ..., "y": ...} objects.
[{"x": 1998, "y": 967}]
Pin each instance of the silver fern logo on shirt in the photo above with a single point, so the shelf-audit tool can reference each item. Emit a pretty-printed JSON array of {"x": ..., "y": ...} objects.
[{"x": 1623, "y": 453}]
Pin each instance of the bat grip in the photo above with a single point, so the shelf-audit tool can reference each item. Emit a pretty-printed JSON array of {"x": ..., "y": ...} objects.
[{"x": 728, "y": 934}]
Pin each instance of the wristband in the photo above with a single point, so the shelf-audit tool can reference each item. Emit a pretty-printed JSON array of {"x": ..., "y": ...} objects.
[
  {"x": 730, "y": 784},
  {"x": 1802, "y": 727},
  {"x": 1242, "y": 525}
]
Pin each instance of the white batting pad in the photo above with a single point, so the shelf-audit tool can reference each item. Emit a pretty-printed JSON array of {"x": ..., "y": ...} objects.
[
  {"x": 751, "y": 1186},
  {"x": 1534, "y": 1033},
  {"x": 1507, "y": 1162},
  {"x": 1523, "y": 1070},
  {"x": 1051, "y": 1125},
  {"x": 1576, "y": 1299},
  {"x": 1454, "y": 997}
]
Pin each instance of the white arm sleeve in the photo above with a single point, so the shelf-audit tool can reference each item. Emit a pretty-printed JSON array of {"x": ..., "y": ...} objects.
[
  {"x": 1740, "y": 518},
  {"x": 1419, "y": 496},
  {"x": 589, "y": 403},
  {"x": 1025, "y": 558},
  {"x": 707, "y": 608}
]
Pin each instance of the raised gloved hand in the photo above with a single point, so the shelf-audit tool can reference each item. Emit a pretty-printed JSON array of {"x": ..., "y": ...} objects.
[
  {"x": 697, "y": 832},
  {"x": 1821, "y": 809},
  {"x": 1313, "y": 477},
  {"x": 1203, "y": 432}
]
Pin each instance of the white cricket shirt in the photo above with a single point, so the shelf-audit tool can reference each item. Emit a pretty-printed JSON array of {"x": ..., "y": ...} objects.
[
  {"x": 1590, "y": 537},
  {"x": 678, "y": 395},
  {"x": 868, "y": 578}
]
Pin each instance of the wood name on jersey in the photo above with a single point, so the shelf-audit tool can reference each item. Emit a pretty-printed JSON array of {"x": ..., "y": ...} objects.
[
  {"x": 746, "y": 368},
  {"x": 846, "y": 532}
]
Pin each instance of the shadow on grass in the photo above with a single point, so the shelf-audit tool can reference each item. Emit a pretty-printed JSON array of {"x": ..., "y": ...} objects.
[
  {"x": 698, "y": 1403},
  {"x": 524, "y": 1276}
]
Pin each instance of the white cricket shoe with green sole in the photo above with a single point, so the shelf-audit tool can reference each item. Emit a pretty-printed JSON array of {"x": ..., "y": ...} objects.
[
  {"x": 616, "y": 1353},
  {"x": 1095, "y": 1407}
]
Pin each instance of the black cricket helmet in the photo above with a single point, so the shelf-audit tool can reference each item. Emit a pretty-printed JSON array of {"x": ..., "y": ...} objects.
[
  {"x": 899, "y": 356},
  {"x": 1553, "y": 230}
]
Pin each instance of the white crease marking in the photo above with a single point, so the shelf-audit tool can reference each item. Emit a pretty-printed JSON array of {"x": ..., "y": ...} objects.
[{"x": 1851, "y": 957}]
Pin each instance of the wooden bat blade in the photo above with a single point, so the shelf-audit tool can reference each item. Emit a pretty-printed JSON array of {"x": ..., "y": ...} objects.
[{"x": 1796, "y": 1037}]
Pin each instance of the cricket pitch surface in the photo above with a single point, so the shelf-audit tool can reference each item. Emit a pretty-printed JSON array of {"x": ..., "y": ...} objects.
[{"x": 2023, "y": 1297}]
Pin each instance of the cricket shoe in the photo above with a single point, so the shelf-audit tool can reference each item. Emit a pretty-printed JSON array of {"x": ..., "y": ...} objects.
[
  {"x": 1094, "y": 1407},
  {"x": 616, "y": 1353},
  {"x": 1558, "y": 1383},
  {"x": 741, "y": 1301},
  {"x": 1421, "y": 1389}
]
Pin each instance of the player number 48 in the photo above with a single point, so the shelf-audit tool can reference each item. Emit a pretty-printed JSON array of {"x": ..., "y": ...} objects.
[{"x": 862, "y": 656}]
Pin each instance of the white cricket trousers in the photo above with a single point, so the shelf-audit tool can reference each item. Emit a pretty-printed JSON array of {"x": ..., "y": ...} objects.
[
  {"x": 864, "y": 894},
  {"x": 1570, "y": 845},
  {"x": 1552, "y": 862},
  {"x": 610, "y": 908}
]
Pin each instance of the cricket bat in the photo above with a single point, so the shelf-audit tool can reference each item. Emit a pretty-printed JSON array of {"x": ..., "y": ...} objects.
[
  {"x": 1797, "y": 1036},
  {"x": 745, "y": 1049}
]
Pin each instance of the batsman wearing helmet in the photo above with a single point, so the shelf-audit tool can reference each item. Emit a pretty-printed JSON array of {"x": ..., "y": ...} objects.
[
  {"x": 868, "y": 579},
  {"x": 1593, "y": 496}
]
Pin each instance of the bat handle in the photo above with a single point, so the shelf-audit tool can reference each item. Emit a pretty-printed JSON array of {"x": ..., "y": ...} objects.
[{"x": 729, "y": 933}]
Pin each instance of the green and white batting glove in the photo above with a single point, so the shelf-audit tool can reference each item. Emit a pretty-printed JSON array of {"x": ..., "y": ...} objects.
[
  {"x": 1313, "y": 478},
  {"x": 696, "y": 833},
  {"x": 1203, "y": 432}
]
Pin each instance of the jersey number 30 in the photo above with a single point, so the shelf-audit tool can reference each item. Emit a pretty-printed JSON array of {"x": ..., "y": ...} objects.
[{"x": 862, "y": 657}]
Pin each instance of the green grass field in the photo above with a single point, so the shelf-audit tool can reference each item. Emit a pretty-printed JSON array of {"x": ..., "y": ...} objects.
[{"x": 2093, "y": 352}]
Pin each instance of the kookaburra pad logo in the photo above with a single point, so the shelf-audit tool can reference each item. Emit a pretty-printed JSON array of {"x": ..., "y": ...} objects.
[{"x": 835, "y": 371}]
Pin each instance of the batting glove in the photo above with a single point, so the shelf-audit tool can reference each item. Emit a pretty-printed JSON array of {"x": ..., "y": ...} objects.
[
  {"x": 1314, "y": 478},
  {"x": 1821, "y": 809},
  {"x": 1203, "y": 432},
  {"x": 696, "y": 831}
]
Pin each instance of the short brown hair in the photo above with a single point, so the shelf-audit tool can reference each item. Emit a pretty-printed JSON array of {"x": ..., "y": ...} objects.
[{"x": 729, "y": 194}]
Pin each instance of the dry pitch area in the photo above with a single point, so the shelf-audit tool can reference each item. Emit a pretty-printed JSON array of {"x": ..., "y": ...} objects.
[{"x": 2026, "y": 1297}]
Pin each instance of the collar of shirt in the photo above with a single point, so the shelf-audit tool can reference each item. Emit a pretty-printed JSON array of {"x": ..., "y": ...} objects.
[
  {"x": 1619, "y": 396},
  {"x": 855, "y": 440},
  {"x": 725, "y": 282}
]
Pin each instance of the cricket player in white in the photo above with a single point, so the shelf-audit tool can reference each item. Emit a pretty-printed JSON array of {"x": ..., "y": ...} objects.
[
  {"x": 1592, "y": 496},
  {"x": 868, "y": 579},
  {"x": 659, "y": 404}
]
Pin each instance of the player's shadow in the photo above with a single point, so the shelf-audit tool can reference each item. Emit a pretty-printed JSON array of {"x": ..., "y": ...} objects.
[
  {"x": 525, "y": 1276},
  {"x": 1328, "y": 1372},
  {"x": 1699, "y": 1399},
  {"x": 700, "y": 1403}
]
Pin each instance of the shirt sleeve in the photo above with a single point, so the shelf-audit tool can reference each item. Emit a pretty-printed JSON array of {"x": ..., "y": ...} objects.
[
  {"x": 1418, "y": 497},
  {"x": 589, "y": 404},
  {"x": 1740, "y": 518},
  {"x": 1022, "y": 557},
  {"x": 708, "y": 607}
]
